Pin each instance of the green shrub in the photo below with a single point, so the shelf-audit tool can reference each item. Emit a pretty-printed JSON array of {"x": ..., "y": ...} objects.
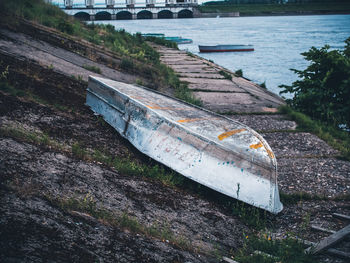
[
  {"x": 263, "y": 85},
  {"x": 127, "y": 64},
  {"x": 323, "y": 90},
  {"x": 239, "y": 73},
  {"x": 162, "y": 41},
  {"x": 182, "y": 92},
  {"x": 92, "y": 68},
  {"x": 225, "y": 74},
  {"x": 79, "y": 151}
]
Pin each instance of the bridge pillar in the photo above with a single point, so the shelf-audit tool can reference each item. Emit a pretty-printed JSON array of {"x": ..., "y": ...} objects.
[
  {"x": 154, "y": 15},
  {"x": 92, "y": 17},
  {"x": 114, "y": 17},
  {"x": 150, "y": 3},
  {"x": 169, "y": 2},
  {"x": 175, "y": 15},
  {"x": 134, "y": 16},
  {"x": 110, "y": 3},
  {"x": 89, "y": 3},
  {"x": 68, "y": 4},
  {"x": 130, "y": 3}
]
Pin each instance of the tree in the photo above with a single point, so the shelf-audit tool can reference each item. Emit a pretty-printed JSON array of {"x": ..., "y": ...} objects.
[{"x": 323, "y": 91}]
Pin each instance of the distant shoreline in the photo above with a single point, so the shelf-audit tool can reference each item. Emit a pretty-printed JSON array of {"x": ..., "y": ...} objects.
[
  {"x": 237, "y": 14},
  {"x": 298, "y": 14},
  {"x": 302, "y": 13},
  {"x": 328, "y": 8}
]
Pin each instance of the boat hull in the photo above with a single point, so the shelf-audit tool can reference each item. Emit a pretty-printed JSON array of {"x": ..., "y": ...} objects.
[
  {"x": 226, "y": 48},
  {"x": 186, "y": 139}
]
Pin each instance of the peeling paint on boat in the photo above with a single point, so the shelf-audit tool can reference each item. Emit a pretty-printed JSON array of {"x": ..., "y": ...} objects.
[{"x": 210, "y": 149}]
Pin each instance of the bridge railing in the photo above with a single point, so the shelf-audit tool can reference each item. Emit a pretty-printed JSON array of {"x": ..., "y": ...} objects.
[{"x": 111, "y": 3}]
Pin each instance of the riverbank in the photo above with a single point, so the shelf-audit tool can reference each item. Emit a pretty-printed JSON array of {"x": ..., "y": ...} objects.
[
  {"x": 277, "y": 9},
  {"x": 72, "y": 189}
]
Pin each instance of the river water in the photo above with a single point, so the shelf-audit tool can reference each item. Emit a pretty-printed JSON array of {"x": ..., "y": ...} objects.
[{"x": 278, "y": 41}]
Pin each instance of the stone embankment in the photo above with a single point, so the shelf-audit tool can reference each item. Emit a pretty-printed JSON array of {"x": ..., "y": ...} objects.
[{"x": 50, "y": 141}]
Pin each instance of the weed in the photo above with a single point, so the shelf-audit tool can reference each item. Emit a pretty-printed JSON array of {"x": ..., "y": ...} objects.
[
  {"x": 139, "y": 82},
  {"x": 9, "y": 89},
  {"x": 50, "y": 67},
  {"x": 225, "y": 75},
  {"x": 78, "y": 151},
  {"x": 101, "y": 121},
  {"x": 263, "y": 85},
  {"x": 92, "y": 68},
  {"x": 87, "y": 204},
  {"x": 130, "y": 223},
  {"x": 127, "y": 64},
  {"x": 6, "y": 87},
  {"x": 295, "y": 198},
  {"x": 5, "y": 73},
  {"x": 305, "y": 224},
  {"x": 184, "y": 93},
  {"x": 239, "y": 73},
  {"x": 190, "y": 54},
  {"x": 161, "y": 41},
  {"x": 217, "y": 252},
  {"x": 267, "y": 250},
  {"x": 250, "y": 215},
  {"x": 32, "y": 137}
]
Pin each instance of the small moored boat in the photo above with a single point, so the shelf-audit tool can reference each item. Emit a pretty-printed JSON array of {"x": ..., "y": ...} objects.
[
  {"x": 152, "y": 35},
  {"x": 226, "y": 48},
  {"x": 179, "y": 40},
  {"x": 183, "y": 41},
  {"x": 213, "y": 150}
]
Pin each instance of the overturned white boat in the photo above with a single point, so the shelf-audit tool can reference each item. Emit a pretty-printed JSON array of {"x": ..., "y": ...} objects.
[{"x": 210, "y": 149}]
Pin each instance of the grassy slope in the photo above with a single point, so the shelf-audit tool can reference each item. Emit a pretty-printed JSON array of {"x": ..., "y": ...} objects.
[
  {"x": 136, "y": 55},
  {"x": 264, "y": 9}
]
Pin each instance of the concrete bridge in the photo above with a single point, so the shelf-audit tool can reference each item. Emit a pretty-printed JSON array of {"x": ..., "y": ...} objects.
[{"x": 131, "y": 10}]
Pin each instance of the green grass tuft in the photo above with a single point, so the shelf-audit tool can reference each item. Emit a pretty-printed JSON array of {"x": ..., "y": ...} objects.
[
  {"x": 92, "y": 68},
  {"x": 239, "y": 73},
  {"x": 267, "y": 250},
  {"x": 88, "y": 205},
  {"x": 225, "y": 74},
  {"x": 182, "y": 92}
]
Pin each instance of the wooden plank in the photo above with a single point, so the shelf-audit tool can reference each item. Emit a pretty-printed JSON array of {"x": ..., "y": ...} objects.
[
  {"x": 341, "y": 216},
  {"x": 318, "y": 228},
  {"x": 332, "y": 251},
  {"x": 329, "y": 241}
]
